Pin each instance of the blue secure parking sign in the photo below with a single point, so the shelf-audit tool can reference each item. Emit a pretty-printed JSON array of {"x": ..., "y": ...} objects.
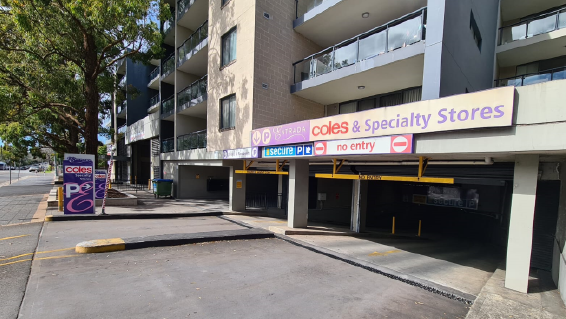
[{"x": 288, "y": 151}]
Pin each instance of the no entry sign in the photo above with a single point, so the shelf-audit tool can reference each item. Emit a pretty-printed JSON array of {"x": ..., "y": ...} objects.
[{"x": 362, "y": 146}]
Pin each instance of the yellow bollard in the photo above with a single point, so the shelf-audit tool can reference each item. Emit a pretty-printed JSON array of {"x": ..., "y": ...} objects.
[
  {"x": 393, "y": 228},
  {"x": 109, "y": 185},
  {"x": 136, "y": 179},
  {"x": 60, "y": 198},
  {"x": 419, "y": 228},
  {"x": 149, "y": 184}
]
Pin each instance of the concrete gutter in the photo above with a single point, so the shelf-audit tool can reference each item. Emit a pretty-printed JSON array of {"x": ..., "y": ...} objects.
[
  {"x": 117, "y": 244},
  {"x": 54, "y": 218}
]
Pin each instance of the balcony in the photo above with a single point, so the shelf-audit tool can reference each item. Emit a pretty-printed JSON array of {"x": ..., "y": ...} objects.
[
  {"x": 122, "y": 83},
  {"x": 191, "y": 100},
  {"x": 154, "y": 103},
  {"x": 540, "y": 37},
  {"x": 168, "y": 28},
  {"x": 193, "y": 53},
  {"x": 122, "y": 129},
  {"x": 534, "y": 78},
  {"x": 122, "y": 110},
  {"x": 191, "y": 13},
  {"x": 154, "y": 79},
  {"x": 168, "y": 145},
  {"x": 324, "y": 21},
  {"x": 168, "y": 108},
  {"x": 385, "y": 59},
  {"x": 191, "y": 141},
  {"x": 168, "y": 69}
]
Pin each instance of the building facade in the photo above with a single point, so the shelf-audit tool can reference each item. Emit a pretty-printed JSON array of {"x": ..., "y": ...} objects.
[{"x": 353, "y": 112}]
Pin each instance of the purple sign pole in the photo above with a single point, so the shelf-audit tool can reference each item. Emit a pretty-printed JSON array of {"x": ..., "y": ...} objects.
[
  {"x": 100, "y": 183},
  {"x": 78, "y": 184}
]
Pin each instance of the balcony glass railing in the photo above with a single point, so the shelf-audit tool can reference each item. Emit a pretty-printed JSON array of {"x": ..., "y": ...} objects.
[
  {"x": 168, "y": 65},
  {"x": 122, "y": 82},
  {"x": 186, "y": 50},
  {"x": 169, "y": 23},
  {"x": 192, "y": 94},
  {"x": 183, "y": 6},
  {"x": 122, "y": 108},
  {"x": 168, "y": 145},
  {"x": 191, "y": 141},
  {"x": 534, "y": 78},
  {"x": 396, "y": 34},
  {"x": 154, "y": 74},
  {"x": 167, "y": 106},
  {"x": 304, "y": 6},
  {"x": 122, "y": 129},
  {"x": 154, "y": 100},
  {"x": 543, "y": 23}
]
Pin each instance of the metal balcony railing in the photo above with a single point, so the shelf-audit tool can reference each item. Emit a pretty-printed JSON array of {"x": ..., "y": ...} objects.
[
  {"x": 191, "y": 141},
  {"x": 168, "y": 65},
  {"x": 183, "y": 6},
  {"x": 190, "y": 46},
  {"x": 396, "y": 34},
  {"x": 122, "y": 129},
  {"x": 167, "y": 106},
  {"x": 154, "y": 74},
  {"x": 168, "y": 145},
  {"x": 154, "y": 100},
  {"x": 534, "y": 78},
  {"x": 192, "y": 94},
  {"x": 304, "y": 6},
  {"x": 169, "y": 23},
  {"x": 542, "y": 23}
]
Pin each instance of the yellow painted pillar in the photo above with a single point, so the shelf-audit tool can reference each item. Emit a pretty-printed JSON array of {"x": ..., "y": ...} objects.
[
  {"x": 393, "y": 228},
  {"x": 60, "y": 198}
]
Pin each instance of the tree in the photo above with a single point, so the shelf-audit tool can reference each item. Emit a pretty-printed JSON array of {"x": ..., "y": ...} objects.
[{"x": 70, "y": 49}]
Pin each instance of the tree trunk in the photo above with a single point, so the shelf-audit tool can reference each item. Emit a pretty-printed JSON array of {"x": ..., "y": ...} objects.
[{"x": 91, "y": 119}]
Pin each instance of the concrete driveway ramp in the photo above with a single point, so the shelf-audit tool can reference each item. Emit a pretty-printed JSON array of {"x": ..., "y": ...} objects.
[{"x": 100, "y": 246}]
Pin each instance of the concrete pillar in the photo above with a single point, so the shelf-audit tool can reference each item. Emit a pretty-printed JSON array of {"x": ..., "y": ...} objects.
[
  {"x": 433, "y": 49},
  {"x": 298, "y": 206},
  {"x": 237, "y": 200},
  {"x": 359, "y": 206},
  {"x": 279, "y": 191},
  {"x": 520, "y": 239}
]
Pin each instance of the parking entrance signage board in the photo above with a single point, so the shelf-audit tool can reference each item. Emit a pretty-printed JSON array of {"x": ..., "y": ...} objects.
[
  {"x": 288, "y": 151},
  {"x": 241, "y": 153},
  {"x": 78, "y": 184},
  {"x": 100, "y": 183},
  {"x": 401, "y": 144}
]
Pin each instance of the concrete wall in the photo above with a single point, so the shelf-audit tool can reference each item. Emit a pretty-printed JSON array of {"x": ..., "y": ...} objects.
[
  {"x": 559, "y": 258},
  {"x": 336, "y": 207},
  {"x": 235, "y": 78},
  {"x": 464, "y": 66},
  {"x": 188, "y": 124},
  {"x": 145, "y": 128},
  {"x": 277, "y": 46},
  {"x": 192, "y": 187}
]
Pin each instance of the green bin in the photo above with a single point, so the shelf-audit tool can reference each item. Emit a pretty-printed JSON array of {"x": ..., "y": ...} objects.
[{"x": 162, "y": 187}]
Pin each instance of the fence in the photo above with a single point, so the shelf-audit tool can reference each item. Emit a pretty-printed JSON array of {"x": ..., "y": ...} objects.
[{"x": 129, "y": 186}]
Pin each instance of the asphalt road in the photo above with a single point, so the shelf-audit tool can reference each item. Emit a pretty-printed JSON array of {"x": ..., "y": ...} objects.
[
  {"x": 5, "y": 175},
  {"x": 14, "y": 272},
  {"x": 266, "y": 278}
]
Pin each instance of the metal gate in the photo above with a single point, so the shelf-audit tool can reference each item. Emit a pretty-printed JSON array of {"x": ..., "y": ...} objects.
[{"x": 544, "y": 227}]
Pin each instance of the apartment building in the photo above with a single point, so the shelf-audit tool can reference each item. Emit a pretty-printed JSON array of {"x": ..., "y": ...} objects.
[{"x": 352, "y": 112}]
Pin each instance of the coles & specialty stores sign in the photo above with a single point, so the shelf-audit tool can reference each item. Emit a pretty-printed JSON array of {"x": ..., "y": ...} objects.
[
  {"x": 78, "y": 184},
  {"x": 490, "y": 108}
]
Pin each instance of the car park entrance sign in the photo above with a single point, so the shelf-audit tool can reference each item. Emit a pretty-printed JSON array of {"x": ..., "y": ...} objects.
[
  {"x": 489, "y": 108},
  {"x": 78, "y": 184}
]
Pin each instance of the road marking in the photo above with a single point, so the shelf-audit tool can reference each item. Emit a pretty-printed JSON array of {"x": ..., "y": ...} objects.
[
  {"x": 53, "y": 257},
  {"x": 269, "y": 221},
  {"x": 39, "y": 252},
  {"x": 375, "y": 253},
  {"x": 5, "y": 238}
]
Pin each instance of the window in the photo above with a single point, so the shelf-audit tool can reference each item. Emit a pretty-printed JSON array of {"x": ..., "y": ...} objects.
[
  {"x": 475, "y": 30},
  {"x": 228, "y": 112},
  {"x": 229, "y": 47},
  {"x": 389, "y": 99}
]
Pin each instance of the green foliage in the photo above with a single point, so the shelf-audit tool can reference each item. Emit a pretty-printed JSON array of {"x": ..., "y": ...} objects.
[{"x": 59, "y": 57}]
